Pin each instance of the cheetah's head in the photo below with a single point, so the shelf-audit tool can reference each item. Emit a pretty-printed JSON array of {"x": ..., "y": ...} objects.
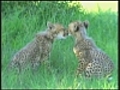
[
  {"x": 56, "y": 30},
  {"x": 78, "y": 28}
]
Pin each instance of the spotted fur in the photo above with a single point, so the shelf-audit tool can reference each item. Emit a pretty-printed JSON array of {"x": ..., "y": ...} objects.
[
  {"x": 39, "y": 48},
  {"x": 92, "y": 61}
]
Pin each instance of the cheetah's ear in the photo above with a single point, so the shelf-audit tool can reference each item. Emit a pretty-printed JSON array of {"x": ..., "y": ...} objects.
[
  {"x": 50, "y": 25},
  {"x": 86, "y": 24}
]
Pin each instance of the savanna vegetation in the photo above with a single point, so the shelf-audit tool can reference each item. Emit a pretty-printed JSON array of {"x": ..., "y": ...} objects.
[{"x": 22, "y": 20}]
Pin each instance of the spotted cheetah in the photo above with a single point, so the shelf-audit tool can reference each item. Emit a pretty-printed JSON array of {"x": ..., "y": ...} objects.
[
  {"x": 92, "y": 61},
  {"x": 39, "y": 48}
]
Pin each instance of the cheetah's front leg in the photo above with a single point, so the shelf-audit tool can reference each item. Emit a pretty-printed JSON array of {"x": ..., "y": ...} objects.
[
  {"x": 88, "y": 70},
  {"x": 81, "y": 66},
  {"x": 35, "y": 63}
]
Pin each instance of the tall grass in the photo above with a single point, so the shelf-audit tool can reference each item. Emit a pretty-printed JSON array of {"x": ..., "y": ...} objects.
[{"x": 22, "y": 20}]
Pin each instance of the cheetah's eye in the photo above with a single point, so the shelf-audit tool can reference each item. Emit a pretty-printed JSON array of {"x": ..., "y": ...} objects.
[
  {"x": 76, "y": 28},
  {"x": 51, "y": 27}
]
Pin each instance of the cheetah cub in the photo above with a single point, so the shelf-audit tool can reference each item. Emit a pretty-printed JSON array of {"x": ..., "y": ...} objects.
[
  {"x": 92, "y": 61},
  {"x": 38, "y": 49}
]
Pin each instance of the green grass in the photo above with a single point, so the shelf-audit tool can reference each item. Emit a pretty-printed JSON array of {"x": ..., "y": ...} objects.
[{"x": 20, "y": 23}]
